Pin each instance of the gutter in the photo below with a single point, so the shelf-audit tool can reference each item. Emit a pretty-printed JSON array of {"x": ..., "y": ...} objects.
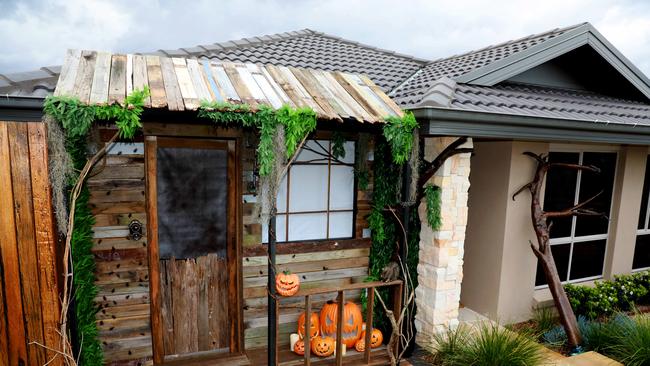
[
  {"x": 452, "y": 122},
  {"x": 15, "y": 108}
]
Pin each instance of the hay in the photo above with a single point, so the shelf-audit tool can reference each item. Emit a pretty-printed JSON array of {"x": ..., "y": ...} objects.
[
  {"x": 268, "y": 190},
  {"x": 414, "y": 162},
  {"x": 61, "y": 171}
]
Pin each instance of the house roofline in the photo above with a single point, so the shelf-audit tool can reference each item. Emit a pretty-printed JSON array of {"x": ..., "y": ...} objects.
[
  {"x": 451, "y": 122},
  {"x": 20, "y": 108}
]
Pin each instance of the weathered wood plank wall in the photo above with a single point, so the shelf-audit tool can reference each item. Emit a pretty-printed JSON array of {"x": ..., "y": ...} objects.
[
  {"x": 117, "y": 197},
  {"x": 29, "y": 292}
]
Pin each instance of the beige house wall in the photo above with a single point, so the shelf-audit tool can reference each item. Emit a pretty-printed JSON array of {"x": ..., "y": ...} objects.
[{"x": 499, "y": 271}]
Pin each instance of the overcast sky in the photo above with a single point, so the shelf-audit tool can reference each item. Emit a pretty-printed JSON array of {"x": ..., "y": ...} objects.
[{"x": 35, "y": 33}]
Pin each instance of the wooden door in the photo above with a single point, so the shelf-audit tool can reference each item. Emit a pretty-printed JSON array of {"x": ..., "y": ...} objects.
[{"x": 193, "y": 251}]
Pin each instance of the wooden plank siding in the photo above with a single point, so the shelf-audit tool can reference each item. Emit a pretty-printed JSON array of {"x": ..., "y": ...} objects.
[
  {"x": 29, "y": 293},
  {"x": 118, "y": 196},
  {"x": 179, "y": 84}
]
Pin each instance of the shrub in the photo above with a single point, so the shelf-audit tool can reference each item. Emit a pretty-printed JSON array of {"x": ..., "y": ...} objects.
[
  {"x": 631, "y": 340},
  {"x": 490, "y": 344},
  {"x": 624, "y": 292},
  {"x": 544, "y": 319}
]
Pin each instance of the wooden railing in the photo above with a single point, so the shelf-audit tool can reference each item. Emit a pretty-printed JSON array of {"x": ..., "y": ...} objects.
[{"x": 397, "y": 289}]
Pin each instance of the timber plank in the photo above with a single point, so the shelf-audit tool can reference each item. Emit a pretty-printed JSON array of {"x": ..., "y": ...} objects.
[
  {"x": 103, "y": 196},
  {"x": 325, "y": 93},
  {"x": 84, "y": 80},
  {"x": 156, "y": 84},
  {"x": 126, "y": 171},
  {"x": 217, "y": 94},
  {"x": 305, "y": 257},
  {"x": 117, "y": 208},
  {"x": 26, "y": 240},
  {"x": 4, "y": 332},
  {"x": 117, "y": 80},
  {"x": 378, "y": 92},
  {"x": 130, "y": 348},
  {"x": 174, "y": 97},
  {"x": 129, "y": 74},
  {"x": 68, "y": 75},
  {"x": 140, "y": 80},
  {"x": 167, "y": 308},
  {"x": 289, "y": 78},
  {"x": 133, "y": 277},
  {"x": 252, "y": 292},
  {"x": 99, "y": 91},
  {"x": 251, "y": 85},
  {"x": 224, "y": 84},
  {"x": 238, "y": 84},
  {"x": 343, "y": 99},
  {"x": 306, "y": 277},
  {"x": 315, "y": 93},
  {"x": 269, "y": 92},
  {"x": 312, "y": 266},
  {"x": 9, "y": 255},
  {"x": 345, "y": 96},
  {"x": 190, "y": 98},
  {"x": 112, "y": 300},
  {"x": 200, "y": 86},
  {"x": 276, "y": 87},
  {"x": 354, "y": 90},
  {"x": 45, "y": 241},
  {"x": 120, "y": 219},
  {"x": 377, "y": 103}
]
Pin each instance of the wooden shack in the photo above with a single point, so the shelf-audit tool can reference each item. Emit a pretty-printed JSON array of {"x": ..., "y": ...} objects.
[{"x": 180, "y": 252}]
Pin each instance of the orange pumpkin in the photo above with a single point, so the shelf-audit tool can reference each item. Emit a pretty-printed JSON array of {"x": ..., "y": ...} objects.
[
  {"x": 314, "y": 325},
  {"x": 352, "y": 322},
  {"x": 287, "y": 283},
  {"x": 299, "y": 347},
  {"x": 376, "y": 338},
  {"x": 323, "y": 346}
]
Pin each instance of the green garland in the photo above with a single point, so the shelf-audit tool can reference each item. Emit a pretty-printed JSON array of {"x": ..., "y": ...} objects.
[
  {"x": 433, "y": 197},
  {"x": 298, "y": 123},
  {"x": 399, "y": 134},
  {"x": 76, "y": 119}
]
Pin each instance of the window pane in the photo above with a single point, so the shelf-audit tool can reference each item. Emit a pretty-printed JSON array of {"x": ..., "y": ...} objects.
[
  {"x": 281, "y": 202},
  {"x": 313, "y": 150},
  {"x": 307, "y": 226},
  {"x": 590, "y": 185},
  {"x": 561, "y": 257},
  {"x": 341, "y": 224},
  {"x": 308, "y": 188},
  {"x": 341, "y": 187},
  {"x": 280, "y": 229},
  {"x": 642, "y": 252},
  {"x": 587, "y": 259},
  {"x": 560, "y": 191},
  {"x": 644, "y": 196},
  {"x": 349, "y": 152}
]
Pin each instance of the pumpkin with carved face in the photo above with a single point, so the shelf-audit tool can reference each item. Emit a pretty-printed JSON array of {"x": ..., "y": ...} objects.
[
  {"x": 352, "y": 322},
  {"x": 376, "y": 338},
  {"x": 287, "y": 283},
  {"x": 323, "y": 346},
  {"x": 299, "y": 347},
  {"x": 314, "y": 325}
]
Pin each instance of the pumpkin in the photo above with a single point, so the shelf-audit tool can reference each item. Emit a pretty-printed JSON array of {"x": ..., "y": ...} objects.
[
  {"x": 314, "y": 325},
  {"x": 376, "y": 338},
  {"x": 287, "y": 283},
  {"x": 299, "y": 347},
  {"x": 323, "y": 346},
  {"x": 352, "y": 322}
]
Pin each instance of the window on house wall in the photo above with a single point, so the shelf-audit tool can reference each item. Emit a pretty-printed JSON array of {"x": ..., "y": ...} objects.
[
  {"x": 578, "y": 244},
  {"x": 642, "y": 248},
  {"x": 316, "y": 197}
]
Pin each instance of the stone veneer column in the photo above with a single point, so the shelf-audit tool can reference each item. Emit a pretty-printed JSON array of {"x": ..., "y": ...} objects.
[{"x": 440, "y": 270}]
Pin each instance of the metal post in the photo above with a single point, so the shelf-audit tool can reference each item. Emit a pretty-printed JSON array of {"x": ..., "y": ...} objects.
[{"x": 272, "y": 309}]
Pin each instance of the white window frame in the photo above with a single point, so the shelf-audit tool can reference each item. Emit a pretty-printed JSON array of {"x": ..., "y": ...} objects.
[
  {"x": 646, "y": 225},
  {"x": 286, "y": 213},
  {"x": 572, "y": 239}
]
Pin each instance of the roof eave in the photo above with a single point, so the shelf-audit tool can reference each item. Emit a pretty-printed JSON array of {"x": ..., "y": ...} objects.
[
  {"x": 508, "y": 67},
  {"x": 20, "y": 108},
  {"x": 453, "y": 122}
]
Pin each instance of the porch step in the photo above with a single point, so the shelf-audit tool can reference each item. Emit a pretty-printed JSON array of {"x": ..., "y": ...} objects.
[{"x": 588, "y": 359}]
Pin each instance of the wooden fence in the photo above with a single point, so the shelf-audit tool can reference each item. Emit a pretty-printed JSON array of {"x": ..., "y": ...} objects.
[{"x": 29, "y": 297}]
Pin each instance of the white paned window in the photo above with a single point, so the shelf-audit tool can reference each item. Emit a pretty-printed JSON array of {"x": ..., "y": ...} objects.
[
  {"x": 316, "y": 197},
  {"x": 578, "y": 244}
]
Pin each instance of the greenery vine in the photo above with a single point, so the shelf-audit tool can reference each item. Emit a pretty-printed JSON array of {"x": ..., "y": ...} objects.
[
  {"x": 76, "y": 119},
  {"x": 433, "y": 198},
  {"x": 398, "y": 131}
]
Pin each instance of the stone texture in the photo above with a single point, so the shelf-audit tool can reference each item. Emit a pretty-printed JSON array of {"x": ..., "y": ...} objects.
[{"x": 440, "y": 271}]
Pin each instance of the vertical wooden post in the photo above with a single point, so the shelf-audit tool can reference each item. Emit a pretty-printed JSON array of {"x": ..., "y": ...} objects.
[
  {"x": 370, "y": 304},
  {"x": 272, "y": 322},
  {"x": 339, "y": 329},
  {"x": 397, "y": 306},
  {"x": 307, "y": 330}
]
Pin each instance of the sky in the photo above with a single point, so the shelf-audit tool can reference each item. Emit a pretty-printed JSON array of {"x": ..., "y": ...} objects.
[{"x": 35, "y": 33}]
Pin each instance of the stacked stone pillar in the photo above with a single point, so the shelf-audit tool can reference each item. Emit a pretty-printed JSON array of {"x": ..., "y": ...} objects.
[{"x": 440, "y": 269}]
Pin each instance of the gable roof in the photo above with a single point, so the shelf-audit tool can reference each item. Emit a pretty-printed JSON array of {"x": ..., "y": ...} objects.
[{"x": 182, "y": 84}]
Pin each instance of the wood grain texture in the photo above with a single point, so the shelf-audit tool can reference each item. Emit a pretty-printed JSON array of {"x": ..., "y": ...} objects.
[
  {"x": 140, "y": 79},
  {"x": 68, "y": 75},
  {"x": 99, "y": 90},
  {"x": 84, "y": 80},
  {"x": 26, "y": 241},
  {"x": 190, "y": 97},
  {"x": 45, "y": 239},
  {"x": 156, "y": 84}
]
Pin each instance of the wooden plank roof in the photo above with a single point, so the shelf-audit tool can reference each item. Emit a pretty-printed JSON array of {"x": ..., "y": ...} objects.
[{"x": 182, "y": 84}]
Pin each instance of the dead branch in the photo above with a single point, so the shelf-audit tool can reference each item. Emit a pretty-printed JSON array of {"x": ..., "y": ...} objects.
[
  {"x": 576, "y": 210},
  {"x": 432, "y": 167}
]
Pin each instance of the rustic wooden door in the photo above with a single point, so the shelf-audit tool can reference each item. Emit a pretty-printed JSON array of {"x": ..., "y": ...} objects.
[{"x": 193, "y": 253}]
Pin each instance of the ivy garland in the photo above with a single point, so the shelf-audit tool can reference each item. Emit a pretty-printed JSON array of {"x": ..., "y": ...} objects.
[
  {"x": 433, "y": 198},
  {"x": 399, "y": 134},
  {"x": 77, "y": 119}
]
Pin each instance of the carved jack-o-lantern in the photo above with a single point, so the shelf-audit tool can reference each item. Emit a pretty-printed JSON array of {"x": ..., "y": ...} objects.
[
  {"x": 299, "y": 347},
  {"x": 287, "y": 284},
  {"x": 376, "y": 338},
  {"x": 314, "y": 325},
  {"x": 323, "y": 346},
  {"x": 352, "y": 321}
]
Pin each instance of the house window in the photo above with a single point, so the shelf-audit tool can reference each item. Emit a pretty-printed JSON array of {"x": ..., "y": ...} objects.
[
  {"x": 642, "y": 249},
  {"x": 316, "y": 197},
  {"x": 578, "y": 243}
]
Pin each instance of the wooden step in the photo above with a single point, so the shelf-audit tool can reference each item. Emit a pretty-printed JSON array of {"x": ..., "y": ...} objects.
[{"x": 588, "y": 359}]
